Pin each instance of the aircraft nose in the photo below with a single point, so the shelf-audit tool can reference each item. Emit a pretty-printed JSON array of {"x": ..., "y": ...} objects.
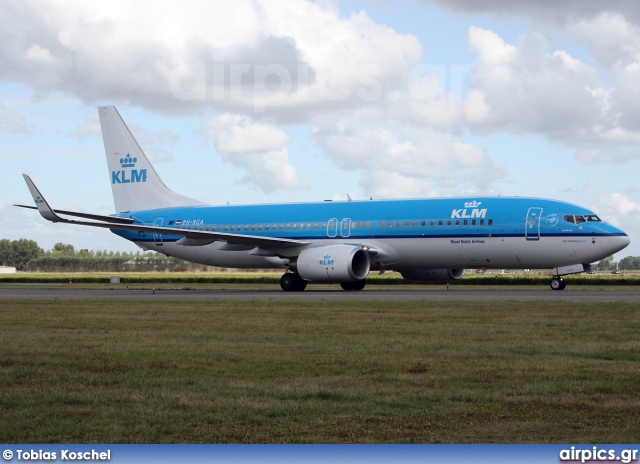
[{"x": 615, "y": 243}]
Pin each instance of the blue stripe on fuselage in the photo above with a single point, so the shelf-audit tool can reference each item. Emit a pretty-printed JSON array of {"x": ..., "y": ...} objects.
[{"x": 508, "y": 218}]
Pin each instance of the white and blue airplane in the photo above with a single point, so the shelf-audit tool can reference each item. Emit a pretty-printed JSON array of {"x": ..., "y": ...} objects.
[{"x": 432, "y": 239}]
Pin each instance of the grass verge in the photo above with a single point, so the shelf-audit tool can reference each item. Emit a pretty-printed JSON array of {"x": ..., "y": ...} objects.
[{"x": 326, "y": 371}]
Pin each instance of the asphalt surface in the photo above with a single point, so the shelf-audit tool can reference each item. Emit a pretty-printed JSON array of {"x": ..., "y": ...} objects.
[{"x": 310, "y": 295}]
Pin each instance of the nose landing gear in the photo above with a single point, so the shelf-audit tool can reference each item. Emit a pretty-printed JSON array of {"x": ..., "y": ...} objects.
[{"x": 557, "y": 283}]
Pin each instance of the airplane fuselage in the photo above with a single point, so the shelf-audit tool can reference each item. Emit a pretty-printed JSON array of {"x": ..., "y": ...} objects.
[{"x": 482, "y": 232}]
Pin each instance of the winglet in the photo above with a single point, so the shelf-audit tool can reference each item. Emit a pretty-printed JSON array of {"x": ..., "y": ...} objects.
[{"x": 43, "y": 207}]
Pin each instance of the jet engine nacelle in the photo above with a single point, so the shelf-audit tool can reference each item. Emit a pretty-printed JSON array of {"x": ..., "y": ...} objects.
[
  {"x": 334, "y": 263},
  {"x": 433, "y": 275}
]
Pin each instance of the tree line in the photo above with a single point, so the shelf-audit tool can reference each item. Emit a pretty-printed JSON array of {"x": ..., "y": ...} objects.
[
  {"x": 26, "y": 255},
  {"x": 630, "y": 263}
]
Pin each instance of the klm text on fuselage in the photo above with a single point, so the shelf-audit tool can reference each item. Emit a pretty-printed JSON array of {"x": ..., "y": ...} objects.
[{"x": 464, "y": 214}]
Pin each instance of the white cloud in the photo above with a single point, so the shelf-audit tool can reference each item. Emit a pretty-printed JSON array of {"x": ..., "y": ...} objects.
[
  {"x": 612, "y": 39},
  {"x": 37, "y": 53},
  {"x": 238, "y": 134},
  {"x": 12, "y": 122},
  {"x": 423, "y": 102},
  {"x": 621, "y": 211},
  {"x": 269, "y": 171},
  {"x": 616, "y": 204},
  {"x": 526, "y": 89},
  {"x": 614, "y": 43},
  {"x": 257, "y": 148},
  {"x": 377, "y": 110},
  {"x": 396, "y": 159},
  {"x": 291, "y": 59},
  {"x": 90, "y": 128},
  {"x": 594, "y": 156}
]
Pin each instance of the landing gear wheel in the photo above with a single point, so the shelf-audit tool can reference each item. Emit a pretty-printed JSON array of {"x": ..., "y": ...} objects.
[
  {"x": 557, "y": 283},
  {"x": 291, "y": 282},
  {"x": 358, "y": 285},
  {"x": 287, "y": 283}
]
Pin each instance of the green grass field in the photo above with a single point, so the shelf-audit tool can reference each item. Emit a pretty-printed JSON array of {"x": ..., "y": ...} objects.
[{"x": 328, "y": 371}]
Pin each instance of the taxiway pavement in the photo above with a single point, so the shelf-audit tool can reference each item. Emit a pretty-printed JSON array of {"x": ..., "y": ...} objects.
[{"x": 310, "y": 295}]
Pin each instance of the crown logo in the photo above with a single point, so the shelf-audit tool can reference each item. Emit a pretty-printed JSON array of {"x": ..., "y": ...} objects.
[
  {"x": 128, "y": 162},
  {"x": 327, "y": 256},
  {"x": 472, "y": 204}
]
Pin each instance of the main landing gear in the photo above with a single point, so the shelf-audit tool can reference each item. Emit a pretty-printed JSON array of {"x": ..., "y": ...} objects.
[
  {"x": 357, "y": 285},
  {"x": 557, "y": 283},
  {"x": 292, "y": 282}
]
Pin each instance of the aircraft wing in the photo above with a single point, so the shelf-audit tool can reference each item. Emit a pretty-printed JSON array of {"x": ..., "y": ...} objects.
[
  {"x": 190, "y": 237},
  {"x": 95, "y": 217}
]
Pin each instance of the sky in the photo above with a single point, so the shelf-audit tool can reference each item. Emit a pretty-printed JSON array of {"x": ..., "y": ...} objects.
[{"x": 263, "y": 101}]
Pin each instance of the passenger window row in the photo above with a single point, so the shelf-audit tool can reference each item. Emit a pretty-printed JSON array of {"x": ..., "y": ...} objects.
[
  {"x": 437, "y": 223},
  {"x": 323, "y": 226},
  {"x": 248, "y": 227}
]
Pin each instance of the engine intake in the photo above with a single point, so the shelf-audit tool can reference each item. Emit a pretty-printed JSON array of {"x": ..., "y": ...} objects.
[
  {"x": 432, "y": 275},
  {"x": 334, "y": 263}
]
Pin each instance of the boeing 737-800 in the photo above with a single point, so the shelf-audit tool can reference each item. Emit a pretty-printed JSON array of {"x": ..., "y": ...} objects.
[{"x": 432, "y": 239}]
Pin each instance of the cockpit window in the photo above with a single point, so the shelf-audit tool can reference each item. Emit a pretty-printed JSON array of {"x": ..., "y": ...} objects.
[{"x": 580, "y": 218}]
